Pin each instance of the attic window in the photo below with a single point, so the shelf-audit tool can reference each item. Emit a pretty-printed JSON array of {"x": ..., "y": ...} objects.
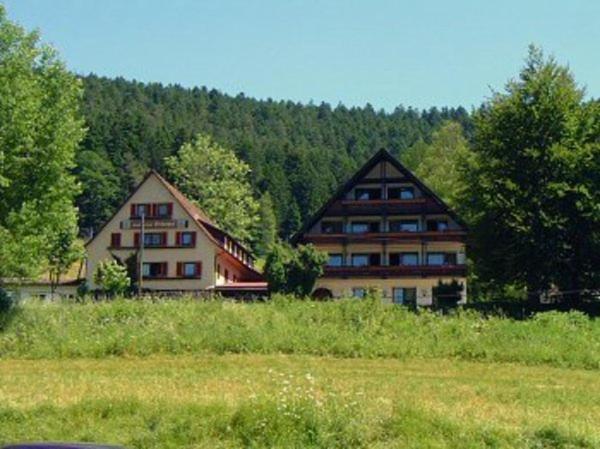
[
  {"x": 361, "y": 194},
  {"x": 401, "y": 193}
]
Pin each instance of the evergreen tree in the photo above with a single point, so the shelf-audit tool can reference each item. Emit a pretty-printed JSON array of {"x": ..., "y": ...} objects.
[{"x": 267, "y": 228}]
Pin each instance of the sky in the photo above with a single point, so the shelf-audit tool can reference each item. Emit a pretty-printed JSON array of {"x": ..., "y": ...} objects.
[{"x": 386, "y": 53}]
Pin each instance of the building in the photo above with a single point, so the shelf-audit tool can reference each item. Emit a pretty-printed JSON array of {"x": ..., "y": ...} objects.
[
  {"x": 181, "y": 250},
  {"x": 385, "y": 229}
]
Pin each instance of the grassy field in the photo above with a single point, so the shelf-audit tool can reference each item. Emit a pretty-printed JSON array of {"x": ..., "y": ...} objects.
[
  {"x": 298, "y": 401},
  {"x": 345, "y": 329},
  {"x": 294, "y": 375}
]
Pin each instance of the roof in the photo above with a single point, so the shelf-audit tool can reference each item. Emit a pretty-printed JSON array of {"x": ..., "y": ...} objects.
[
  {"x": 212, "y": 231},
  {"x": 381, "y": 156}
]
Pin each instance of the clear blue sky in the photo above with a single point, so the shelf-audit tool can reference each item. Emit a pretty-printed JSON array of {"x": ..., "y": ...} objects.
[{"x": 415, "y": 53}]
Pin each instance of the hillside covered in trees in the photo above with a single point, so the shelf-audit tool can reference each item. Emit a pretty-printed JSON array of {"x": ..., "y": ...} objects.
[{"x": 298, "y": 153}]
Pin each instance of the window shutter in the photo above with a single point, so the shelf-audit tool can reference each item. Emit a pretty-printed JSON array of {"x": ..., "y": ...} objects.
[
  {"x": 153, "y": 209},
  {"x": 193, "y": 239},
  {"x": 164, "y": 269},
  {"x": 178, "y": 238},
  {"x": 169, "y": 209},
  {"x": 133, "y": 210},
  {"x": 164, "y": 239},
  {"x": 179, "y": 269},
  {"x": 199, "y": 269},
  {"x": 115, "y": 239},
  {"x": 136, "y": 239}
]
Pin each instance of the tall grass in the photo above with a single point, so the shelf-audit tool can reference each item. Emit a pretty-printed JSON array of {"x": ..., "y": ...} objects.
[{"x": 346, "y": 328}]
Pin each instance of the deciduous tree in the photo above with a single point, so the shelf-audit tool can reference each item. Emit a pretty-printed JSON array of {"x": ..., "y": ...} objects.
[
  {"x": 40, "y": 129},
  {"x": 534, "y": 183},
  {"x": 219, "y": 183}
]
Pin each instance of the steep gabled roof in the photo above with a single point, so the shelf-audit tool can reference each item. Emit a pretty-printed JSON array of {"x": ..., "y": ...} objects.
[
  {"x": 196, "y": 213},
  {"x": 381, "y": 156}
]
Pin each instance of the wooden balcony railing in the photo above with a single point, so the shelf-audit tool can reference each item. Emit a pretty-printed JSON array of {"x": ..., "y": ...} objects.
[
  {"x": 377, "y": 207},
  {"x": 386, "y": 271},
  {"x": 431, "y": 236}
]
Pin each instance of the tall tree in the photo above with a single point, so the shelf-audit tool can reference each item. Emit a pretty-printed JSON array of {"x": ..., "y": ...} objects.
[
  {"x": 267, "y": 226},
  {"x": 438, "y": 163},
  {"x": 219, "y": 182},
  {"x": 100, "y": 189},
  {"x": 534, "y": 186},
  {"x": 40, "y": 129}
]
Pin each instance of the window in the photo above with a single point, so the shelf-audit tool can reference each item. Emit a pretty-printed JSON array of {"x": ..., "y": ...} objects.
[
  {"x": 164, "y": 210},
  {"x": 367, "y": 194},
  {"x": 335, "y": 260},
  {"x": 155, "y": 239},
  {"x": 189, "y": 269},
  {"x": 404, "y": 226},
  {"x": 226, "y": 275},
  {"x": 361, "y": 227},
  {"x": 437, "y": 225},
  {"x": 115, "y": 240},
  {"x": 358, "y": 292},
  {"x": 401, "y": 193},
  {"x": 441, "y": 259},
  {"x": 365, "y": 260},
  {"x": 405, "y": 296},
  {"x": 137, "y": 210},
  {"x": 154, "y": 269},
  {"x": 404, "y": 259},
  {"x": 186, "y": 239},
  {"x": 332, "y": 227}
]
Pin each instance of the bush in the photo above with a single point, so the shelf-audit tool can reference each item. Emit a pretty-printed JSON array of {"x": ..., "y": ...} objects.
[
  {"x": 294, "y": 270},
  {"x": 112, "y": 278}
]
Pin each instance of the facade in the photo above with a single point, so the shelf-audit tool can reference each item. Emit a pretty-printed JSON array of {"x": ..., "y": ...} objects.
[
  {"x": 385, "y": 229},
  {"x": 182, "y": 251}
]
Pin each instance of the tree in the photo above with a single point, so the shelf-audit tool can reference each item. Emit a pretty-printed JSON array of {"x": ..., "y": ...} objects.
[
  {"x": 101, "y": 189},
  {"x": 438, "y": 164},
  {"x": 534, "y": 183},
  {"x": 218, "y": 182},
  {"x": 112, "y": 278},
  {"x": 65, "y": 250},
  {"x": 40, "y": 130},
  {"x": 294, "y": 270},
  {"x": 267, "y": 225}
]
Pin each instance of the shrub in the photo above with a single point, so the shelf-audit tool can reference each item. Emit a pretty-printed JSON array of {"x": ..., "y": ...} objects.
[{"x": 112, "y": 278}]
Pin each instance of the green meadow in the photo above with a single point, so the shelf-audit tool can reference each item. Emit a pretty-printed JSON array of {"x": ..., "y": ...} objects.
[{"x": 192, "y": 374}]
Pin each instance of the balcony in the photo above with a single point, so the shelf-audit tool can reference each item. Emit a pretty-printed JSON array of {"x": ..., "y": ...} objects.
[
  {"x": 387, "y": 271},
  {"x": 416, "y": 206},
  {"x": 387, "y": 236}
]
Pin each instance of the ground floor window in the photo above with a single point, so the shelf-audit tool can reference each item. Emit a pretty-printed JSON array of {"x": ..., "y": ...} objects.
[
  {"x": 358, "y": 292},
  {"x": 189, "y": 269},
  {"x": 154, "y": 269},
  {"x": 405, "y": 296}
]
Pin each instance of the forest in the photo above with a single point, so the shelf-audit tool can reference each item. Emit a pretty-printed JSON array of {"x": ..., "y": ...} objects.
[{"x": 298, "y": 153}]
